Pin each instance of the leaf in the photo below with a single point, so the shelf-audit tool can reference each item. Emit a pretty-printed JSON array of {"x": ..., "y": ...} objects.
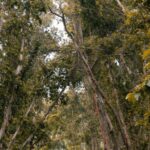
[
  {"x": 146, "y": 54},
  {"x": 131, "y": 97}
]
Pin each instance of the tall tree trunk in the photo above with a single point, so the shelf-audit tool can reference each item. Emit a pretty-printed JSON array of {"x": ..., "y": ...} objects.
[
  {"x": 7, "y": 111},
  {"x": 108, "y": 130},
  {"x": 97, "y": 113},
  {"x": 119, "y": 114},
  {"x": 111, "y": 141}
]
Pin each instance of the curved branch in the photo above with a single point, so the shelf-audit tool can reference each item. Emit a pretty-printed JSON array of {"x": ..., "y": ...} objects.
[{"x": 63, "y": 21}]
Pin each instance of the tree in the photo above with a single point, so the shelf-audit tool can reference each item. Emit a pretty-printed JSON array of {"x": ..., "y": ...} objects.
[{"x": 86, "y": 96}]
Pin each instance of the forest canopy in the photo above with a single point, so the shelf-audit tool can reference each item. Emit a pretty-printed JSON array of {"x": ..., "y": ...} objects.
[{"x": 74, "y": 74}]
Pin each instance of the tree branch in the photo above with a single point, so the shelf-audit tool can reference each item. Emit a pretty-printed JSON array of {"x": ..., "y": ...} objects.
[
  {"x": 54, "y": 13},
  {"x": 43, "y": 119},
  {"x": 121, "y": 6},
  {"x": 63, "y": 21},
  {"x": 18, "y": 128},
  {"x": 21, "y": 58}
]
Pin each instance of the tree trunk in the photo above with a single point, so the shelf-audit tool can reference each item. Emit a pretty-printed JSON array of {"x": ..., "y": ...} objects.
[
  {"x": 7, "y": 111},
  {"x": 110, "y": 139},
  {"x": 118, "y": 114},
  {"x": 7, "y": 114}
]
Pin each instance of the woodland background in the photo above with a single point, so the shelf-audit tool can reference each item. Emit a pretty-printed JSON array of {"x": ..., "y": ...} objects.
[{"x": 90, "y": 91}]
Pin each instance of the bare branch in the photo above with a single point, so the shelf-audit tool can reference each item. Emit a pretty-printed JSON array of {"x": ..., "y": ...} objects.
[
  {"x": 54, "y": 13},
  {"x": 121, "y": 6},
  {"x": 63, "y": 21},
  {"x": 65, "y": 24}
]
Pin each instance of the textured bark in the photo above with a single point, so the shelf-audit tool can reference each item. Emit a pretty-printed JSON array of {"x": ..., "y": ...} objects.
[
  {"x": 96, "y": 110},
  {"x": 102, "y": 132}
]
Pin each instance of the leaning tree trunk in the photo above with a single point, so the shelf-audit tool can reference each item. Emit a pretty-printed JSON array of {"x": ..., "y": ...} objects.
[{"x": 109, "y": 132}]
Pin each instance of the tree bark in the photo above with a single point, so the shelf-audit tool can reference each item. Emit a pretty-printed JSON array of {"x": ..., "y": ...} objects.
[
  {"x": 111, "y": 141},
  {"x": 118, "y": 114},
  {"x": 7, "y": 114},
  {"x": 7, "y": 111},
  {"x": 107, "y": 126}
]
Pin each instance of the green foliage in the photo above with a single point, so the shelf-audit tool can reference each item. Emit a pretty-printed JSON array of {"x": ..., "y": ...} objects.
[
  {"x": 115, "y": 46},
  {"x": 99, "y": 19}
]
